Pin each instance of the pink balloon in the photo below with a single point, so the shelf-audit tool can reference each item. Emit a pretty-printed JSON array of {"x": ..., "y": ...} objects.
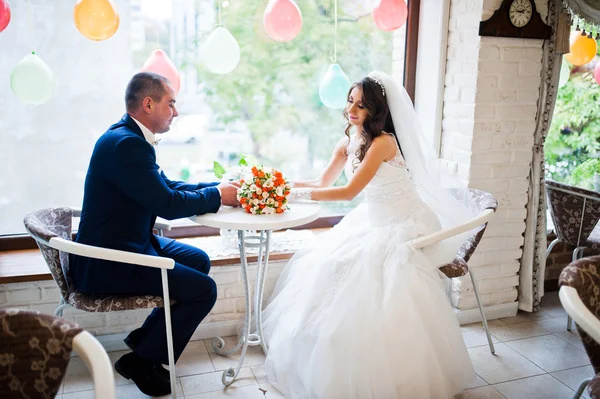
[
  {"x": 160, "y": 63},
  {"x": 282, "y": 20},
  {"x": 389, "y": 15},
  {"x": 597, "y": 72},
  {"x": 4, "y": 14}
]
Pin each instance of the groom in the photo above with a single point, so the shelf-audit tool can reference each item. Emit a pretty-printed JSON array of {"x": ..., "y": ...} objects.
[{"x": 125, "y": 190}]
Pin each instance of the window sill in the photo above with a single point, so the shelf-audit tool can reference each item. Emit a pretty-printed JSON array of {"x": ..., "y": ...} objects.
[{"x": 27, "y": 265}]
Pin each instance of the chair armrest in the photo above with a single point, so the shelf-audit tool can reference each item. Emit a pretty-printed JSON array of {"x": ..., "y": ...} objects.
[
  {"x": 579, "y": 312},
  {"x": 162, "y": 225},
  {"x": 115, "y": 255},
  {"x": 98, "y": 363},
  {"x": 424, "y": 241}
]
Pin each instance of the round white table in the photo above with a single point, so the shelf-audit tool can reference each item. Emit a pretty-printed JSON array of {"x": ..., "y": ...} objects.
[{"x": 237, "y": 219}]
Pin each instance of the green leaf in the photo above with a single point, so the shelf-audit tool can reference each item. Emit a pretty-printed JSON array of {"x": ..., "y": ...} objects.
[
  {"x": 219, "y": 170},
  {"x": 243, "y": 162}
]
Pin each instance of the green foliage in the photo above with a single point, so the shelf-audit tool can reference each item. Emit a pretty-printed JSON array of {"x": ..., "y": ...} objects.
[
  {"x": 219, "y": 170},
  {"x": 583, "y": 175},
  {"x": 275, "y": 86},
  {"x": 574, "y": 134}
]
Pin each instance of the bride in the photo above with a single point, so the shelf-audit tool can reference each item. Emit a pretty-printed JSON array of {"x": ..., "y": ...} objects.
[{"x": 363, "y": 314}]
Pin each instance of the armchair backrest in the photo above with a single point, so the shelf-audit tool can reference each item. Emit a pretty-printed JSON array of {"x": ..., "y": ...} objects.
[
  {"x": 575, "y": 211},
  {"x": 584, "y": 276},
  {"x": 35, "y": 350},
  {"x": 44, "y": 224}
]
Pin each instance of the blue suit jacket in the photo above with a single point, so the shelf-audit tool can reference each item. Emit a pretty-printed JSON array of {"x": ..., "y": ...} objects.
[{"x": 124, "y": 192}]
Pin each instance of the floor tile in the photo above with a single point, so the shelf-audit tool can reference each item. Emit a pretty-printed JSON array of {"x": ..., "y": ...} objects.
[
  {"x": 202, "y": 383},
  {"x": 194, "y": 360},
  {"x": 550, "y": 353},
  {"x": 554, "y": 325},
  {"x": 522, "y": 318},
  {"x": 480, "y": 393},
  {"x": 517, "y": 331},
  {"x": 123, "y": 392},
  {"x": 533, "y": 316},
  {"x": 573, "y": 377},
  {"x": 476, "y": 338},
  {"x": 571, "y": 337},
  {"x": 78, "y": 377},
  {"x": 538, "y": 387},
  {"x": 271, "y": 392},
  {"x": 478, "y": 382},
  {"x": 254, "y": 355},
  {"x": 505, "y": 365},
  {"x": 479, "y": 325},
  {"x": 260, "y": 374},
  {"x": 247, "y": 392}
]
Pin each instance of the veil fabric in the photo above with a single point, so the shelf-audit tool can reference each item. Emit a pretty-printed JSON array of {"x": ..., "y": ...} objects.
[{"x": 423, "y": 164}]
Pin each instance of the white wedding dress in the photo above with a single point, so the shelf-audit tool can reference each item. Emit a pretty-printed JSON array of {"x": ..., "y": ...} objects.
[{"x": 362, "y": 314}]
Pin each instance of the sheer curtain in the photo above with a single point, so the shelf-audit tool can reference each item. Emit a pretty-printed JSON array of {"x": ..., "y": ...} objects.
[{"x": 533, "y": 262}]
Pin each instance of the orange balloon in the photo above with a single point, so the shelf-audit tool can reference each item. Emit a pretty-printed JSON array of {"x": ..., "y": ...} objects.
[
  {"x": 96, "y": 19},
  {"x": 160, "y": 63},
  {"x": 583, "y": 49}
]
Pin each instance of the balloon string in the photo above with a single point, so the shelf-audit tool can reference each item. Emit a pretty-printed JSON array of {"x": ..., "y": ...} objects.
[
  {"x": 335, "y": 12},
  {"x": 220, "y": 23},
  {"x": 157, "y": 41},
  {"x": 30, "y": 29}
]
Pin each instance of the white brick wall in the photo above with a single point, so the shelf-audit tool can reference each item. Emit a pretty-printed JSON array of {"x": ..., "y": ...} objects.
[
  {"x": 230, "y": 307},
  {"x": 498, "y": 99}
]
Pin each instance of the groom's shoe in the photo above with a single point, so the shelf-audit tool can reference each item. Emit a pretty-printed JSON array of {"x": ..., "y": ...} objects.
[{"x": 144, "y": 374}]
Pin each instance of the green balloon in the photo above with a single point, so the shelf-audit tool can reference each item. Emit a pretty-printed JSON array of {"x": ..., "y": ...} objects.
[
  {"x": 32, "y": 80},
  {"x": 565, "y": 73}
]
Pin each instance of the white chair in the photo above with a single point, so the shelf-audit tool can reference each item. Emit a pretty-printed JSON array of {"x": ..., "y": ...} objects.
[
  {"x": 485, "y": 205},
  {"x": 51, "y": 228},
  {"x": 37, "y": 350}
]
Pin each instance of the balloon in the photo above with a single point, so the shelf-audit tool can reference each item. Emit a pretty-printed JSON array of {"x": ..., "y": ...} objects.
[
  {"x": 389, "y": 15},
  {"x": 32, "y": 80},
  {"x": 160, "y": 63},
  {"x": 597, "y": 73},
  {"x": 4, "y": 14},
  {"x": 221, "y": 52},
  {"x": 583, "y": 49},
  {"x": 334, "y": 87},
  {"x": 282, "y": 20},
  {"x": 565, "y": 73},
  {"x": 96, "y": 19}
]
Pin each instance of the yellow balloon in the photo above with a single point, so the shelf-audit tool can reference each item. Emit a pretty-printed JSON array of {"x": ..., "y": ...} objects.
[
  {"x": 96, "y": 19},
  {"x": 583, "y": 49}
]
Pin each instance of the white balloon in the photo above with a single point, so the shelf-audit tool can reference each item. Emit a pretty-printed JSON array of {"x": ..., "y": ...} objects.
[
  {"x": 32, "y": 80},
  {"x": 221, "y": 52}
]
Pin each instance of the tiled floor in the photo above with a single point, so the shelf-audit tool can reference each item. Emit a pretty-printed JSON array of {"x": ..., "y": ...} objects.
[{"x": 536, "y": 357}]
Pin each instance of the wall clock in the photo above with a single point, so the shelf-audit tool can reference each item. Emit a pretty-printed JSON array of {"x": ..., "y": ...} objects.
[{"x": 516, "y": 18}]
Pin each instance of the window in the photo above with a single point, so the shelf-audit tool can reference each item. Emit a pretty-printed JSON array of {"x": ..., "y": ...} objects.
[{"x": 268, "y": 106}]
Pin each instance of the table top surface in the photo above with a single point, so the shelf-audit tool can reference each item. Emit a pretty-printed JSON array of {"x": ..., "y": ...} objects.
[{"x": 237, "y": 219}]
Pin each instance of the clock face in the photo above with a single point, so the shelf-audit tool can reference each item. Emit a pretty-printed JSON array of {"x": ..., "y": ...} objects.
[{"x": 520, "y": 12}]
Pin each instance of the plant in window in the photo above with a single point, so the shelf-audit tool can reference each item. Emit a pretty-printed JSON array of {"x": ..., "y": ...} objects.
[{"x": 587, "y": 175}]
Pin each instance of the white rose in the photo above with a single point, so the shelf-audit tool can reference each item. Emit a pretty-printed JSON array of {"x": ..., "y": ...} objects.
[
  {"x": 255, "y": 201},
  {"x": 268, "y": 211},
  {"x": 265, "y": 195},
  {"x": 270, "y": 201},
  {"x": 279, "y": 191},
  {"x": 253, "y": 187},
  {"x": 259, "y": 191},
  {"x": 253, "y": 211},
  {"x": 276, "y": 204},
  {"x": 268, "y": 183}
]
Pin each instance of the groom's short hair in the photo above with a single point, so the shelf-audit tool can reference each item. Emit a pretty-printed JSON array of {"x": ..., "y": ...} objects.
[{"x": 142, "y": 85}]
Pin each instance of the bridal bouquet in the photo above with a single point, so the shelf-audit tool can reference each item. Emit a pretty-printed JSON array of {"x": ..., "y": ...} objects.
[{"x": 263, "y": 191}]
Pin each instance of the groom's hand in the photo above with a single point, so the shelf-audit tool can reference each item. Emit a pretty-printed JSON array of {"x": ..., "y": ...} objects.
[{"x": 229, "y": 193}]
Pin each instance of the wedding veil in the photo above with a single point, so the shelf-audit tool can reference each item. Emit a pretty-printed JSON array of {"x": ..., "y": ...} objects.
[{"x": 423, "y": 163}]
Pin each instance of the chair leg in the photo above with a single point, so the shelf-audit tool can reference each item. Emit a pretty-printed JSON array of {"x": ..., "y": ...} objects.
[
  {"x": 61, "y": 305},
  {"x": 581, "y": 388},
  {"x": 577, "y": 254},
  {"x": 552, "y": 244},
  {"x": 483, "y": 319},
  {"x": 171, "y": 355}
]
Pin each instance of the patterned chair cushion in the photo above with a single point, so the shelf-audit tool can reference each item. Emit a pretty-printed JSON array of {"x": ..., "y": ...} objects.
[
  {"x": 573, "y": 223},
  {"x": 593, "y": 387},
  {"x": 113, "y": 303},
  {"x": 45, "y": 224},
  {"x": 477, "y": 201},
  {"x": 35, "y": 350},
  {"x": 584, "y": 276}
]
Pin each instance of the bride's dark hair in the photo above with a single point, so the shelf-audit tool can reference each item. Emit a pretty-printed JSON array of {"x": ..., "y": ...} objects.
[{"x": 379, "y": 118}]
